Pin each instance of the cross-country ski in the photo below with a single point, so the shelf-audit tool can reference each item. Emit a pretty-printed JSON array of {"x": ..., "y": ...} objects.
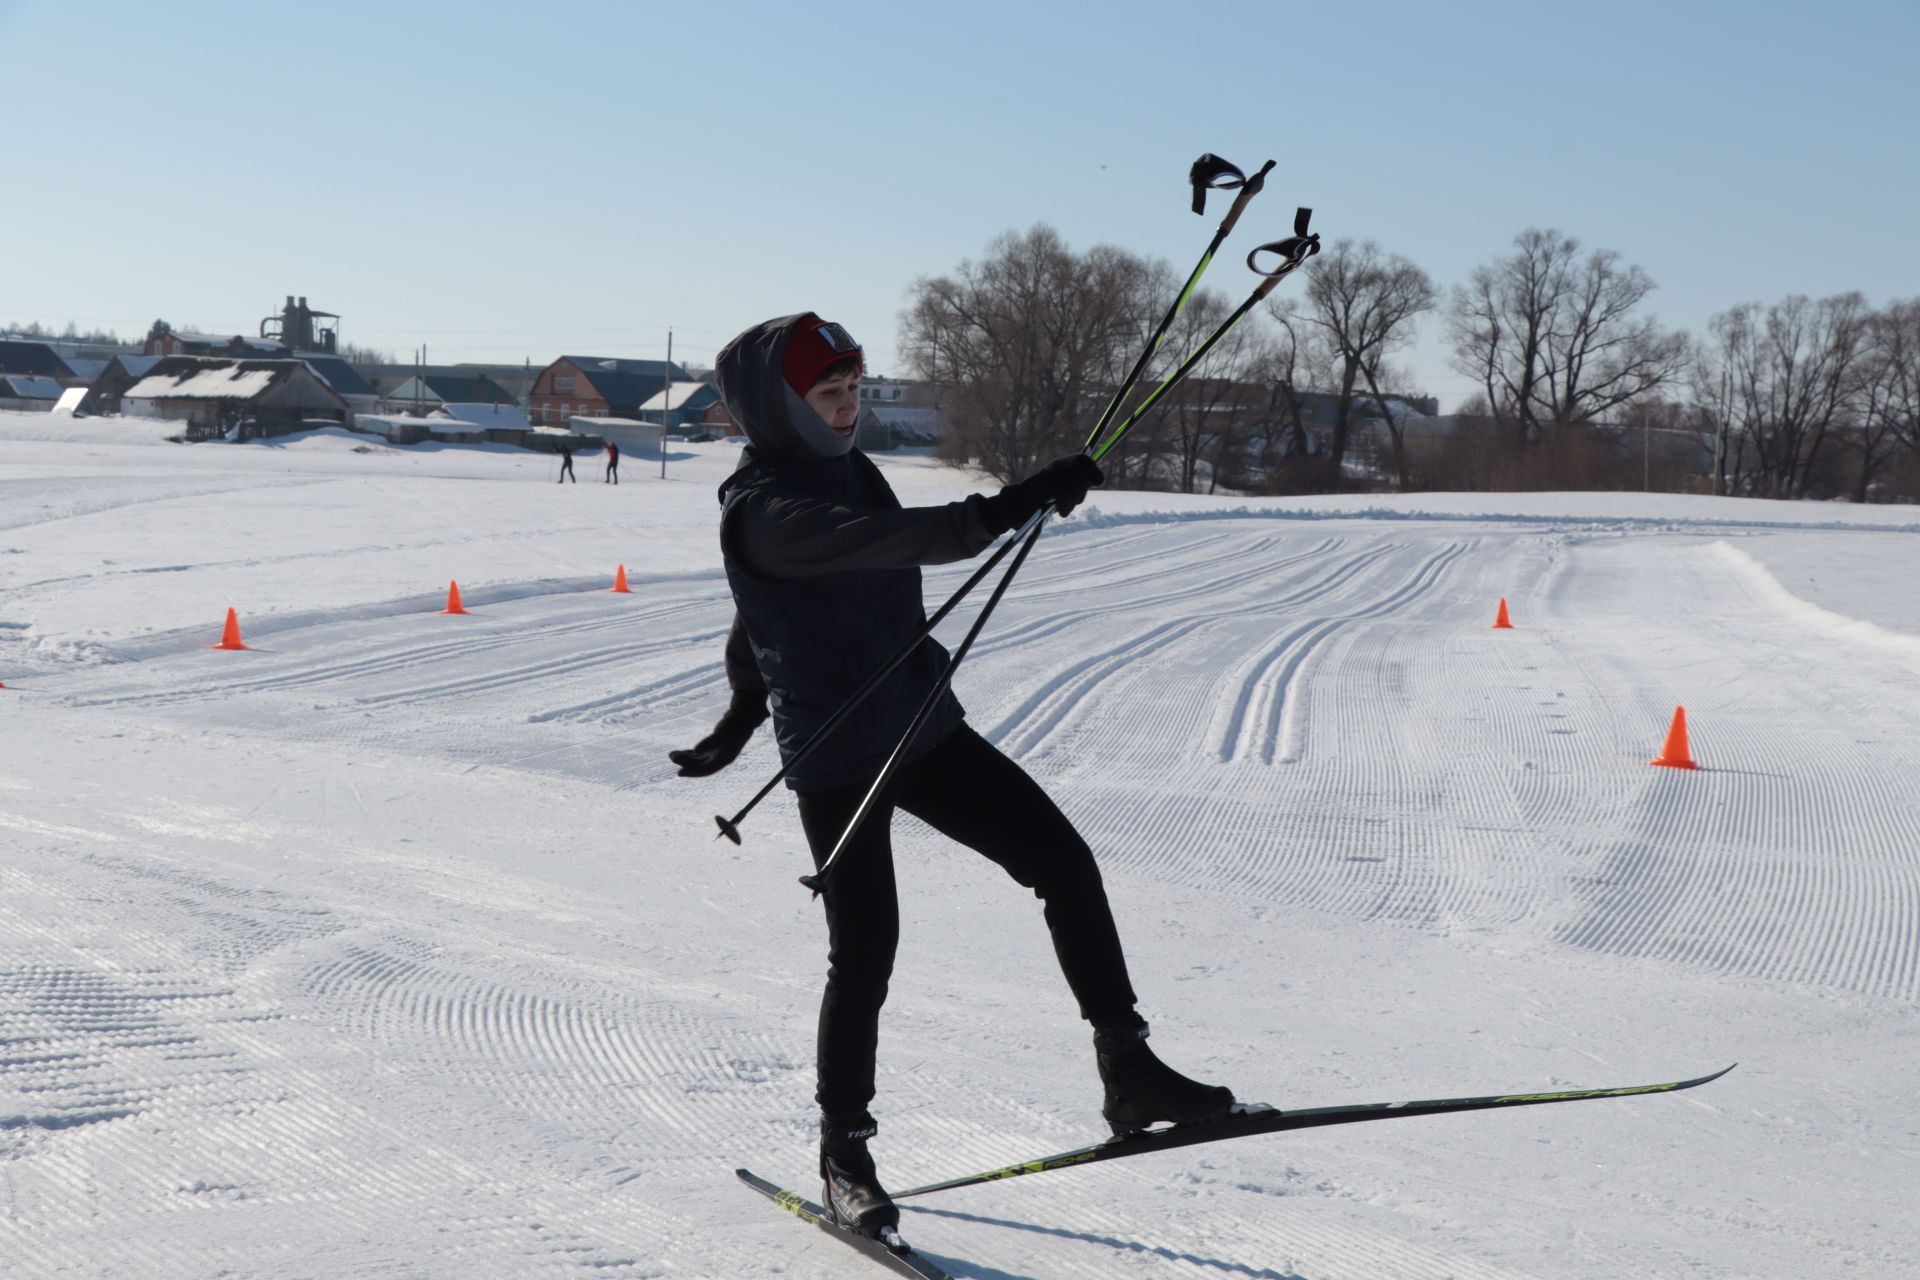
[
  {"x": 895, "y": 1256},
  {"x": 1255, "y": 1120}
]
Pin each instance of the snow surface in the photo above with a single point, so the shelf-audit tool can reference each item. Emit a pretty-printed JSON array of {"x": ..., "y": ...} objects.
[{"x": 392, "y": 947}]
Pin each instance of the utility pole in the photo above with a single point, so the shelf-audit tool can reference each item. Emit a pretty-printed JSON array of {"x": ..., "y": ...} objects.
[{"x": 666, "y": 405}]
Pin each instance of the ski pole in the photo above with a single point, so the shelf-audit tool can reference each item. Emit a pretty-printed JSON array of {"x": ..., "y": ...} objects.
[
  {"x": 817, "y": 880},
  {"x": 1209, "y": 172},
  {"x": 1293, "y": 251},
  {"x": 730, "y": 827}
]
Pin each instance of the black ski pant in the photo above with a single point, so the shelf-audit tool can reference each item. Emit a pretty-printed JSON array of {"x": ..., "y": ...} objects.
[{"x": 968, "y": 791}]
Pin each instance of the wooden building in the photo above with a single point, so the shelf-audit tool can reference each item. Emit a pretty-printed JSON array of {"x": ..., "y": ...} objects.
[{"x": 239, "y": 399}]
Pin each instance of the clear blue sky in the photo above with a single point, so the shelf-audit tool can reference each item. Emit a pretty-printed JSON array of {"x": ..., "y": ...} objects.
[{"x": 505, "y": 181}]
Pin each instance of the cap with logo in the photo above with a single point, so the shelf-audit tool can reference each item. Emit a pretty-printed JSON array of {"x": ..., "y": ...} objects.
[{"x": 812, "y": 345}]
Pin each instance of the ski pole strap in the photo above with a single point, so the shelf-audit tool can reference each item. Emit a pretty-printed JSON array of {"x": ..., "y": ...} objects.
[
  {"x": 1211, "y": 173},
  {"x": 1293, "y": 251}
]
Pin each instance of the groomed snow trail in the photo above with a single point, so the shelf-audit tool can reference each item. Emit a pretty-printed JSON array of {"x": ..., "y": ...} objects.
[{"x": 393, "y": 948}]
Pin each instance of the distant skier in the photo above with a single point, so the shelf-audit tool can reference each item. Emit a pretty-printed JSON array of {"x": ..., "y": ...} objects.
[
  {"x": 613, "y": 464},
  {"x": 824, "y": 564},
  {"x": 566, "y": 466}
]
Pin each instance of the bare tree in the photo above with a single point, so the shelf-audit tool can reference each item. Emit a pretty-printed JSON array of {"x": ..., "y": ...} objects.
[
  {"x": 1026, "y": 342},
  {"x": 1205, "y": 421},
  {"x": 1363, "y": 301},
  {"x": 1792, "y": 374},
  {"x": 356, "y": 355},
  {"x": 1553, "y": 339},
  {"x": 1288, "y": 361},
  {"x": 1894, "y": 406}
]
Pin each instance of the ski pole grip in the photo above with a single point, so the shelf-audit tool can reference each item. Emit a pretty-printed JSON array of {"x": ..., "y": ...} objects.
[{"x": 1247, "y": 192}]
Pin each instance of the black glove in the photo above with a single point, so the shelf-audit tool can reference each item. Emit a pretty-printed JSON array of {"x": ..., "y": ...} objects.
[
  {"x": 1063, "y": 482},
  {"x": 720, "y": 748}
]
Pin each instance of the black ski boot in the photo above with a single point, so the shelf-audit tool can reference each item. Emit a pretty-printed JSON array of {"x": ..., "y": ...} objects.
[
  {"x": 1142, "y": 1090},
  {"x": 852, "y": 1192}
]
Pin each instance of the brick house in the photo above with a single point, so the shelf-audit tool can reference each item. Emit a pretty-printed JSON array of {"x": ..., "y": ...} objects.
[{"x": 597, "y": 387}]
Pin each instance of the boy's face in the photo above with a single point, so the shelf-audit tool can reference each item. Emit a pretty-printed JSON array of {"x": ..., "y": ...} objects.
[{"x": 837, "y": 401}]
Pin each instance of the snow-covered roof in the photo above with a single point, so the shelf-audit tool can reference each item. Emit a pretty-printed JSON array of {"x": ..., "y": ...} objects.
[
  {"x": 600, "y": 426},
  {"x": 221, "y": 382},
  {"x": 488, "y": 415},
  {"x": 675, "y": 396}
]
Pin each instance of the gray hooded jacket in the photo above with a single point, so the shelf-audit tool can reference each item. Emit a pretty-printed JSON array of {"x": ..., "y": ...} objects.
[{"x": 824, "y": 563}]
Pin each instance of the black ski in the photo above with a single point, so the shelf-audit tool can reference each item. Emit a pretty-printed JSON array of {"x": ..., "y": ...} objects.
[
  {"x": 907, "y": 1263},
  {"x": 1245, "y": 1123}
]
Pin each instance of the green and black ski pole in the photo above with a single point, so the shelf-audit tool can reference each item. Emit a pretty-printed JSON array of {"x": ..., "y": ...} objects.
[
  {"x": 1208, "y": 173},
  {"x": 817, "y": 880},
  {"x": 1293, "y": 251},
  {"x": 730, "y": 827}
]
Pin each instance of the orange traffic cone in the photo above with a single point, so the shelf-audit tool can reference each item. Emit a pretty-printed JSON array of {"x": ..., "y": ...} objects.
[
  {"x": 620, "y": 580},
  {"x": 453, "y": 599},
  {"x": 1500, "y": 619},
  {"x": 1674, "y": 754},
  {"x": 230, "y": 635}
]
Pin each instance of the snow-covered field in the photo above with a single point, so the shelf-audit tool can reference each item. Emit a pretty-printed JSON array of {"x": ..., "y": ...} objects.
[{"x": 392, "y": 947}]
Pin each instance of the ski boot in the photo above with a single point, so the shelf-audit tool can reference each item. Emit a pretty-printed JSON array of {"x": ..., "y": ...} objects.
[
  {"x": 1142, "y": 1090},
  {"x": 852, "y": 1192}
]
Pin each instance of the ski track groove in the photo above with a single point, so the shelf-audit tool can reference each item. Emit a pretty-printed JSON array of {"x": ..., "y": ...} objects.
[
  {"x": 1748, "y": 884},
  {"x": 1024, "y": 729},
  {"x": 324, "y": 668},
  {"x": 113, "y": 1059}
]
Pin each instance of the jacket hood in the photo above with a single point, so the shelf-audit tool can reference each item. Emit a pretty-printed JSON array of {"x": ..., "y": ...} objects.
[{"x": 774, "y": 416}]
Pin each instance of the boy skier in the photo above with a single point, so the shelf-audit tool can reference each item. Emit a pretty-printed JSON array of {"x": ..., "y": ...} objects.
[{"x": 824, "y": 564}]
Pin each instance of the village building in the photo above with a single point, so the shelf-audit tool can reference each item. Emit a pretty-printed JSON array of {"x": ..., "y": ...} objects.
[
  {"x": 598, "y": 387},
  {"x": 33, "y": 359},
  {"x": 28, "y": 392},
  {"x": 426, "y": 392},
  {"x": 687, "y": 402},
  {"x": 237, "y": 399},
  {"x": 383, "y": 378},
  {"x": 164, "y": 340}
]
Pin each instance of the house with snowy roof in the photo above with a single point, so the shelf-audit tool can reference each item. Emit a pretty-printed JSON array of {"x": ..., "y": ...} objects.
[
  {"x": 688, "y": 402},
  {"x": 103, "y": 396},
  {"x": 241, "y": 399},
  {"x": 598, "y": 387}
]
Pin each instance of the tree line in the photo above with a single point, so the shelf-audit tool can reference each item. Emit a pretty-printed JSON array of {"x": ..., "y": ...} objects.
[{"x": 1578, "y": 385}]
